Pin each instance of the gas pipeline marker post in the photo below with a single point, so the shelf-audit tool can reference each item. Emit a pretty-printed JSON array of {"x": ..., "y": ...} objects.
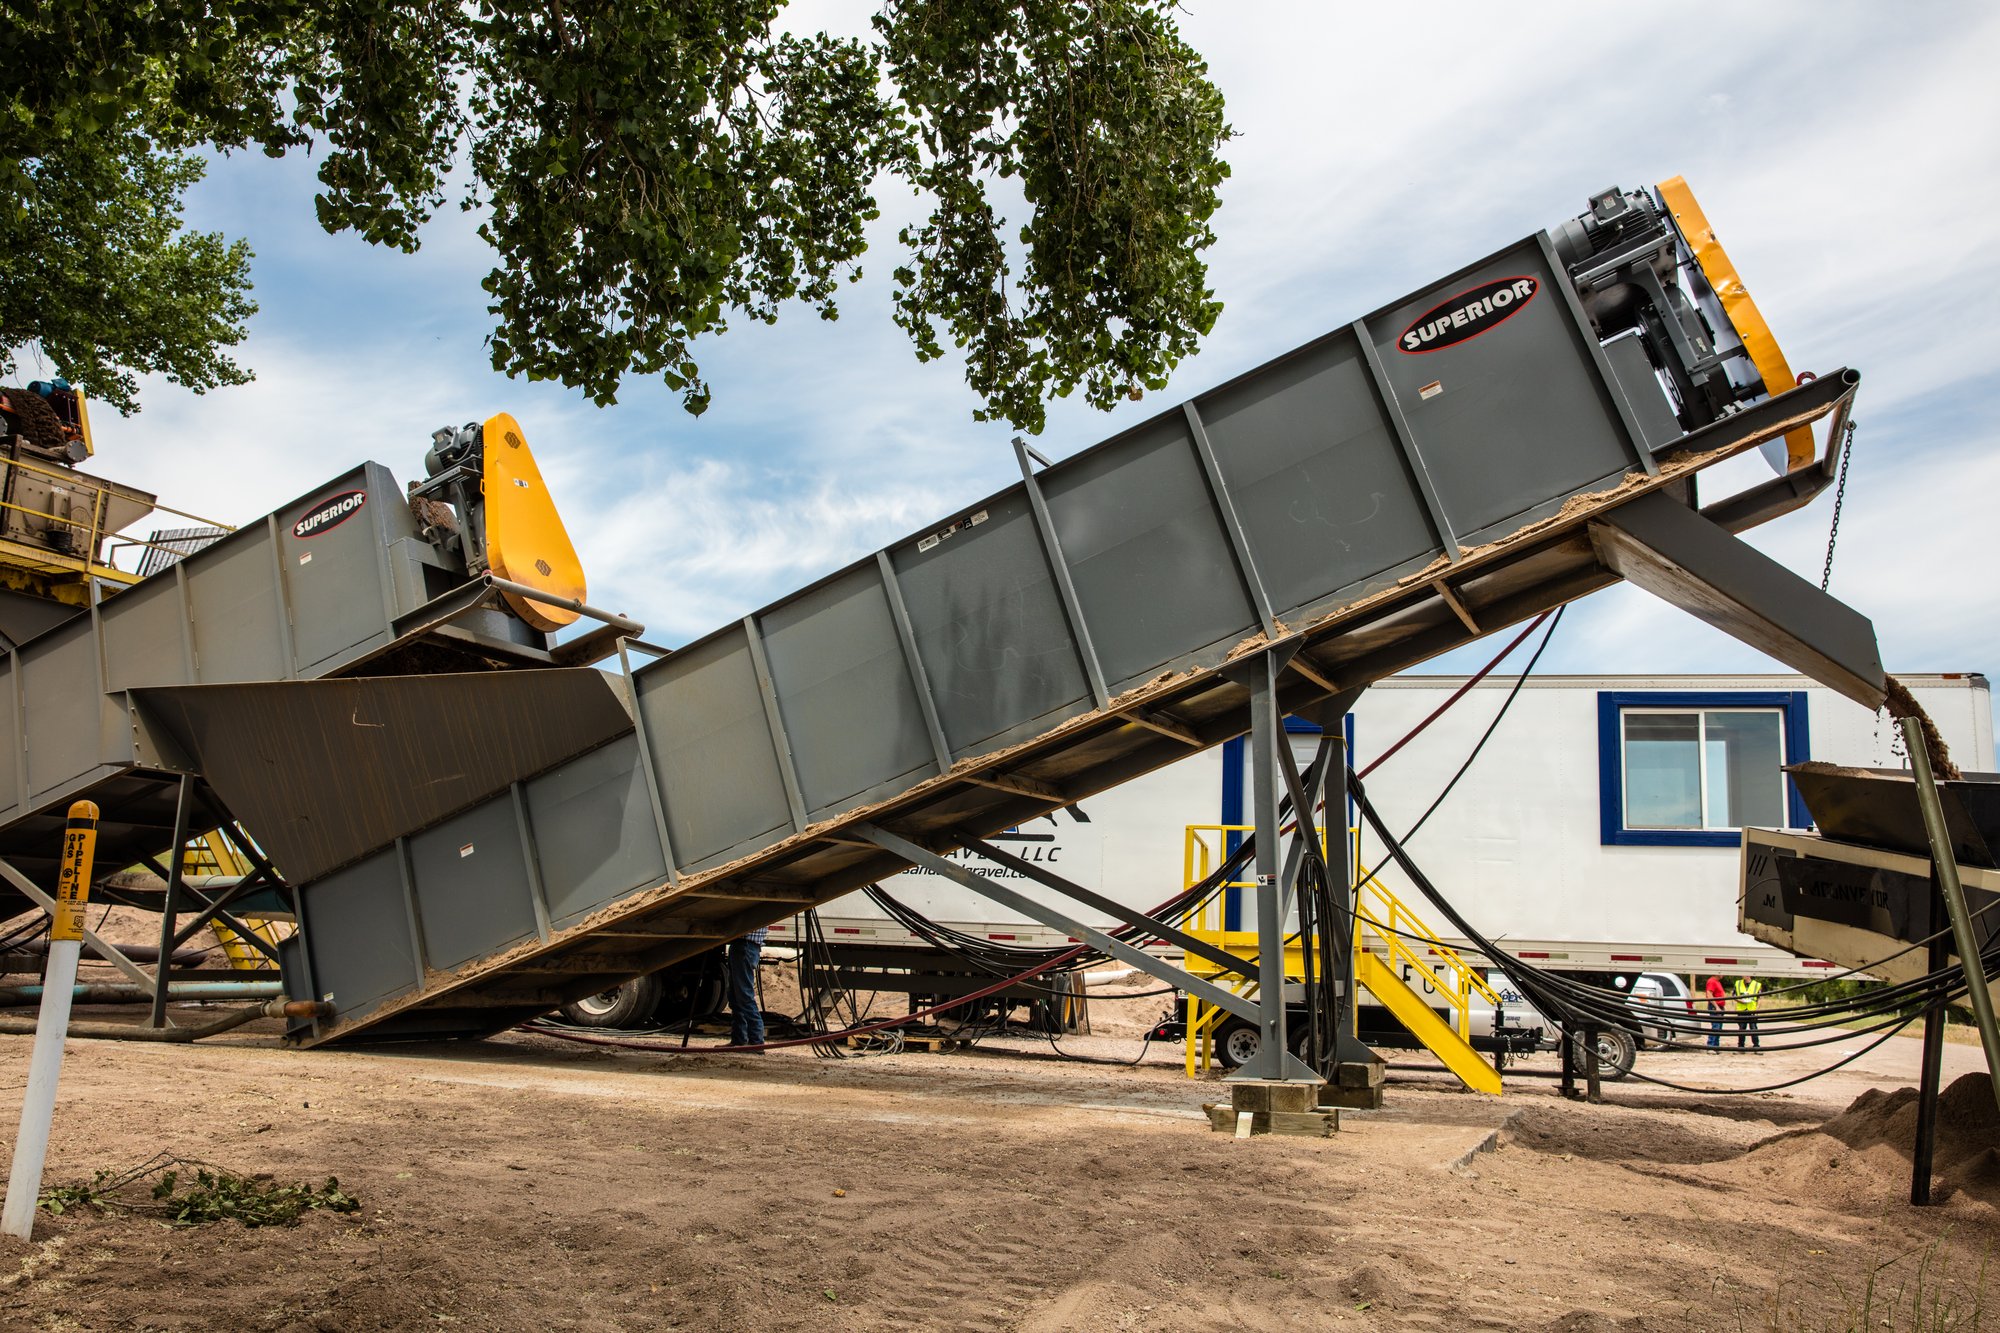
[{"x": 38, "y": 1100}]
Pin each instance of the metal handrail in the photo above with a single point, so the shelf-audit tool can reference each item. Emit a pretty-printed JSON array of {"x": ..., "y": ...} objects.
[
  {"x": 1373, "y": 902},
  {"x": 99, "y": 491}
]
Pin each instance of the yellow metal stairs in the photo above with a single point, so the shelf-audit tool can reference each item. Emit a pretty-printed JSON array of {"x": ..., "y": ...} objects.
[
  {"x": 1390, "y": 943},
  {"x": 211, "y": 854},
  {"x": 1387, "y": 935}
]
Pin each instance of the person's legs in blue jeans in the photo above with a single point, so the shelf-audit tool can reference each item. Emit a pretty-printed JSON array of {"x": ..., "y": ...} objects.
[{"x": 746, "y": 1020}]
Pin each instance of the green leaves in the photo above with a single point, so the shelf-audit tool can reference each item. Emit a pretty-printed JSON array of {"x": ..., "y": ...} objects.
[
  {"x": 214, "y": 1195},
  {"x": 652, "y": 169},
  {"x": 647, "y": 171},
  {"x": 101, "y": 275},
  {"x": 1109, "y": 123}
]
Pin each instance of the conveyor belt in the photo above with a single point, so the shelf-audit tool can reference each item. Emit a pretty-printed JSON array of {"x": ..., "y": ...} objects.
[
  {"x": 470, "y": 850},
  {"x": 758, "y": 750}
]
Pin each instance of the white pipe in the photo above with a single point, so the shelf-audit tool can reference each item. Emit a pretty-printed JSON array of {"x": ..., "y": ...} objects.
[
  {"x": 38, "y": 1100},
  {"x": 1113, "y": 974}
]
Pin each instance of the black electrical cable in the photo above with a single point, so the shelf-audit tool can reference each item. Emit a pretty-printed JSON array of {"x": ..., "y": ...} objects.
[
  {"x": 1525, "y": 973},
  {"x": 1220, "y": 875},
  {"x": 1540, "y": 986},
  {"x": 1847, "y": 1059},
  {"x": 1599, "y": 1002},
  {"x": 1485, "y": 736}
]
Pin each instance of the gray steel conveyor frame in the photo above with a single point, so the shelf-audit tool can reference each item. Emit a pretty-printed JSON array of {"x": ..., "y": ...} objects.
[
  {"x": 631, "y": 879},
  {"x": 464, "y": 851}
]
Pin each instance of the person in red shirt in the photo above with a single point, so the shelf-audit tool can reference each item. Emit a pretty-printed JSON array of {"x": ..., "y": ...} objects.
[{"x": 1717, "y": 997}]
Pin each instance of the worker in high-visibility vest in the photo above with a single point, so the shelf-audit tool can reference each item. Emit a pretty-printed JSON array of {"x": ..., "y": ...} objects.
[{"x": 1747, "y": 990}]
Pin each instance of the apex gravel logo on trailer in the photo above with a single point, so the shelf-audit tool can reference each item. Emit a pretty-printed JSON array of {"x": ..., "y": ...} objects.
[
  {"x": 1468, "y": 314},
  {"x": 330, "y": 513}
]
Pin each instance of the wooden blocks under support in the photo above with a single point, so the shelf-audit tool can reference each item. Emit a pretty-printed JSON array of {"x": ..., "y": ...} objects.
[
  {"x": 1274, "y": 1108},
  {"x": 1356, "y": 1085}
]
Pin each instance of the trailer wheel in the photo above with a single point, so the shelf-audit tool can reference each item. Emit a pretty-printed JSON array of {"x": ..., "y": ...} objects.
[
  {"x": 620, "y": 1007},
  {"x": 1236, "y": 1045},
  {"x": 1616, "y": 1053}
]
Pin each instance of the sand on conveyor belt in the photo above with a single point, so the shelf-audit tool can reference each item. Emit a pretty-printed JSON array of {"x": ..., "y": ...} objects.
[
  {"x": 1901, "y": 703},
  {"x": 1863, "y": 1154}
]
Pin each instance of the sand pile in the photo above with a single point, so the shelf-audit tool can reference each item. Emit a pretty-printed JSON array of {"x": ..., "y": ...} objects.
[
  {"x": 1861, "y": 1157},
  {"x": 1127, "y": 1007}
]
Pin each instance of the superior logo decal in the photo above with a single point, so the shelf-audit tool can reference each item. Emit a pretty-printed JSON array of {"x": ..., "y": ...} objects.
[
  {"x": 330, "y": 513},
  {"x": 1468, "y": 314}
]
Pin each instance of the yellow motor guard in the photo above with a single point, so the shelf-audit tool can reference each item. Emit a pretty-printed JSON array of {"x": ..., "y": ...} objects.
[
  {"x": 1758, "y": 341},
  {"x": 526, "y": 542}
]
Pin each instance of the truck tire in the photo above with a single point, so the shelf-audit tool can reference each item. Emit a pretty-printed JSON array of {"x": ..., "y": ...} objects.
[
  {"x": 1616, "y": 1052},
  {"x": 625, "y": 1006},
  {"x": 1236, "y": 1045}
]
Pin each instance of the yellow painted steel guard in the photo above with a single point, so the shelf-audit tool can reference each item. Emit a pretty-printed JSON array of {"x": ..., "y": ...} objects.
[
  {"x": 525, "y": 538},
  {"x": 1758, "y": 340}
]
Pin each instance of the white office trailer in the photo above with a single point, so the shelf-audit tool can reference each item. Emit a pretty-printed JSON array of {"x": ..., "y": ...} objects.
[{"x": 1595, "y": 831}]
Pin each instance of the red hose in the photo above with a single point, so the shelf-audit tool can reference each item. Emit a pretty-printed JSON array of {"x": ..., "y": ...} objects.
[{"x": 1457, "y": 694}]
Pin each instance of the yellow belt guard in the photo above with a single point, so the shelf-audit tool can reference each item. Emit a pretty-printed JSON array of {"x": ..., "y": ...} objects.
[
  {"x": 1757, "y": 338},
  {"x": 526, "y": 542}
]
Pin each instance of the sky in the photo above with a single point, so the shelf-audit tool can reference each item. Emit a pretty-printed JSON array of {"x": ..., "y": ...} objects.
[{"x": 1845, "y": 153}]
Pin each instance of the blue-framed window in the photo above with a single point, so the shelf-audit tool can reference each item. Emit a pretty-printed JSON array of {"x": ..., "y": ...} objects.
[{"x": 1691, "y": 768}]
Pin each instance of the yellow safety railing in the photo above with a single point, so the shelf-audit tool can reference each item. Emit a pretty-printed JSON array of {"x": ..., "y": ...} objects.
[
  {"x": 99, "y": 495},
  {"x": 1384, "y": 925},
  {"x": 1205, "y": 847}
]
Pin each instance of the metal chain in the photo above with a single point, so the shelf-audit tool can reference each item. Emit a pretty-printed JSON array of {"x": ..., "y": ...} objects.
[{"x": 1839, "y": 499}]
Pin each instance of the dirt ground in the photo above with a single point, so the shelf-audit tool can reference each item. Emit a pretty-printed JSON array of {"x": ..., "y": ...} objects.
[{"x": 527, "y": 1184}]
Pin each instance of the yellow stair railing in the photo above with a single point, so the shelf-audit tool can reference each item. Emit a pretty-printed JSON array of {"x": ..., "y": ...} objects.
[
  {"x": 1384, "y": 923},
  {"x": 1387, "y": 937},
  {"x": 212, "y": 854}
]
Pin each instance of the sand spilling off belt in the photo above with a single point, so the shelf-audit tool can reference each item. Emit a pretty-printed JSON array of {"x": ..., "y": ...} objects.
[
  {"x": 1861, "y": 1157},
  {"x": 1901, "y": 703}
]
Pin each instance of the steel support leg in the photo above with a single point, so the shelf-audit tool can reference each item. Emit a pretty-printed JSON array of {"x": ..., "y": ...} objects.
[
  {"x": 1924, "y": 1151},
  {"x": 1343, "y": 875},
  {"x": 176, "y": 863},
  {"x": 1274, "y": 1062},
  {"x": 1944, "y": 862}
]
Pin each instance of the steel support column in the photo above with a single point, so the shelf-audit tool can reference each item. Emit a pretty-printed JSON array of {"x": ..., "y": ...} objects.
[
  {"x": 1944, "y": 863},
  {"x": 1274, "y": 1062},
  {"x": 176, "y": 864},
  {"x": 1923, "y": 1151}
]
